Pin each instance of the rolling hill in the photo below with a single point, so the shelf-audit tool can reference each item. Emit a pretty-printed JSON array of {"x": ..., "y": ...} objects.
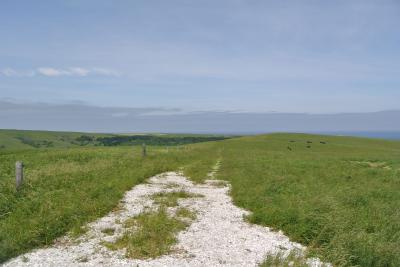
[{"x": 339, "y": 196}]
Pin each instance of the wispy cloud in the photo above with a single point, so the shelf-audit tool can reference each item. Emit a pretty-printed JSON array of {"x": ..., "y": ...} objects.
[
  {"x": 56, "y": 72},
  {"x": 76, "y": 71},
  {"x": 51, "y": 72},
  {"x": 106, "y": 72},
  {"x": 9, "y": 72}
]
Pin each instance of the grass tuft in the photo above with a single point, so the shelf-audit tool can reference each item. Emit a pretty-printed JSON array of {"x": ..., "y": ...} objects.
[
  {"x": 153, "y": 234},
  {"x": 278, "y": 260},
  {"x": 219, "y": 183},
  {"x": 170, "y": 199},
  {"x": 108, "y": 231},
  {"x": 186, "y": 213},
  {"x": 77, "y": 231}
]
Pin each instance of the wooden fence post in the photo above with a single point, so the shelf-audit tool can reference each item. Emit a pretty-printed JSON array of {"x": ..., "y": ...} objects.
[
  {"x": 144, "y": 152},
  {"x": 19, "y": 173}
]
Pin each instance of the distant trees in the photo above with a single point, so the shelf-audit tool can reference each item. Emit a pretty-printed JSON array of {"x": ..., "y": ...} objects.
[
  {"x": 118, "y": 140},
  {"x": 35, "y": 143},
  {"x": 155, "y": 140},
  {"x": 85, "y": 140}
]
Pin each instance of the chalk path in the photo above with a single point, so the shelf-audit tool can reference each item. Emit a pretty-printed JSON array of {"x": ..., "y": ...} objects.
[{"x": 219, "y": 236}]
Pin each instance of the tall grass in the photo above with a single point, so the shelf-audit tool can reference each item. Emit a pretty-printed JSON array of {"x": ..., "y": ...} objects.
[
  {"x": 64, "y": 189},
  {"x": 347, "y": 212},
  {"x": 340, "y": 197}
]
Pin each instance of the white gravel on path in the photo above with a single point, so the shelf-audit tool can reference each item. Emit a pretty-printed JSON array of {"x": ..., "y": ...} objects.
[{"x": 218, "y": 237}]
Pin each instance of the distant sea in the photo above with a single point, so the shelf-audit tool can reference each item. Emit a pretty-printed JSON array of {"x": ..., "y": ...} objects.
[{"x": 381, "y": 135}]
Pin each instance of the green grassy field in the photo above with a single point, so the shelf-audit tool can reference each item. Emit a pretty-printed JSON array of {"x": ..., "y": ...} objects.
[
  {"x": 66, "y": 188},
  {"x": 340, "y": 196},
  {"x": 11, "y": 140},
  {"x": 15, "y": 139}
]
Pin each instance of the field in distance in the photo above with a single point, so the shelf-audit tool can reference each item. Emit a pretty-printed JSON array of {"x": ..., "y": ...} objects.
[
  {"x": 339, "y": 196},
  {"x": 20, "y": 139}
]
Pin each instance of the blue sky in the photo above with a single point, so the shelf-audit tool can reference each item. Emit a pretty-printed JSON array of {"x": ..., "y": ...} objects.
[{"x": 225, "y": 55}]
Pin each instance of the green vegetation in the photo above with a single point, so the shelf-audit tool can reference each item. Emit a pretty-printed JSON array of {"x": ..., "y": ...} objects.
[
  {"x": 152, "y": 234},
  {"x": 347, "y": 213},
  {"x": 186, "y": 213},
  {"x": 66, "y": 188},
  {"x": 279, "y": 260},
  {"x": 203, "y": 160},
  {"x": 63, "y": 190},
  {"x": 16, "y": 139},
  {"x": 337, "y": 195},
  {"x": 219, "y": 183},
  {"x": 170, "y": 199},
  {"x": 164, "y": 140},
  {"x": 108, "y": 231}
]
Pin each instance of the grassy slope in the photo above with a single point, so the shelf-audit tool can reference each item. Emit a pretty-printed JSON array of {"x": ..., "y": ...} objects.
[
  {"x": 9, "y": 139},
  {"x": 66, "y": 188},
  {"x": 326, "y": 197}
]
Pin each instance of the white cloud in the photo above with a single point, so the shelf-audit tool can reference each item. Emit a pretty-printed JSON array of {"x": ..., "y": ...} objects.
[
  {"x": 9, "y": 72},
  {"x": 79, "y": 71},
  {"x": 56, "y": 72},
  {"x": 106, "y": 72},
  {"x": 76, "y": 71},
  {"x": 52, "y": 72}
]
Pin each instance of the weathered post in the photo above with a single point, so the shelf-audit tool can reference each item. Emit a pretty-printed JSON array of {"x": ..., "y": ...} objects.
[
  {"x": 19, "y": 173},
  {"x": 144, "y": 152}
]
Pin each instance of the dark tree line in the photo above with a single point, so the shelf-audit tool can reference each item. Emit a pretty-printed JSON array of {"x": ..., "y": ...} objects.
[{"x": 119, "y": 140}]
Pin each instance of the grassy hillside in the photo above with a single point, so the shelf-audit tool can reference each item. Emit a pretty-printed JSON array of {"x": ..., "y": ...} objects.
[
  {"x": 337, "y": 195},
  {"x": 18, "y": 139},
  {"x": 15, "y": 139},
  {"x": 340, "y": 197},
  {"x": 66, "y": 188}
]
